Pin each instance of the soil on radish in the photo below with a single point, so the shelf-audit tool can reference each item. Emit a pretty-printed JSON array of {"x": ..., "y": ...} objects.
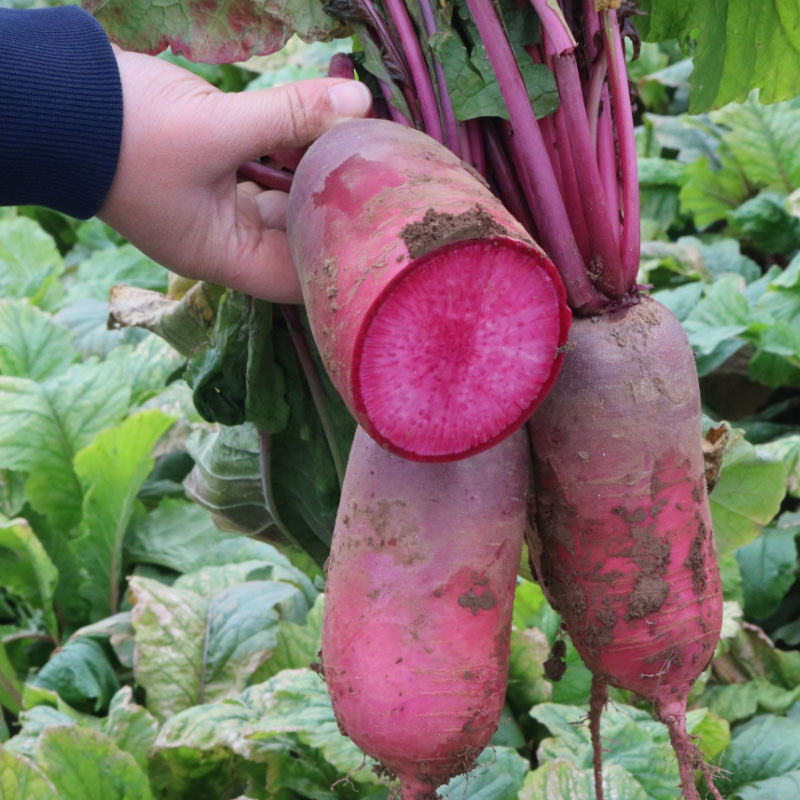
[{"x": 438, "y": 228}]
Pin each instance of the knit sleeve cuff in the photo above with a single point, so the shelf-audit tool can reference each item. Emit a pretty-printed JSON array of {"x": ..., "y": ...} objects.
[{"x": 60, "y": 110}]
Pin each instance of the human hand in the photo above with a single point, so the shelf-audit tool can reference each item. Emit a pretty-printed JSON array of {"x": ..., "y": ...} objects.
[{"x": 175, "y": 194}]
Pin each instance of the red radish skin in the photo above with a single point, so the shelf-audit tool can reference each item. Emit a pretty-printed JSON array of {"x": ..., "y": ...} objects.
[
  {"x": 438, "y": 318},
  {"x": 418, "y": 602},
  {"x": 623, "y": 542}
]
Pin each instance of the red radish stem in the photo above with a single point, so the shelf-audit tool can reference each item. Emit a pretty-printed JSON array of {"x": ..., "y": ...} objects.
[
  {"x": 437, "y": 318},
  {"x": 623, "y": 543},
  {"x": 418, "y": 602}
]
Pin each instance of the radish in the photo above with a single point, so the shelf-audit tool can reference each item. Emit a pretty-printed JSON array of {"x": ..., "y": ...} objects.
[
  {"x": 418, "y": 603},
  {"x": 623, "y": 543},
  {"x": 438, "y": 318}
]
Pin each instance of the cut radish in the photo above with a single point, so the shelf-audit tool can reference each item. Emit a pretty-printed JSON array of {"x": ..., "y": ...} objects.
[{"x": 438, "y": 319}]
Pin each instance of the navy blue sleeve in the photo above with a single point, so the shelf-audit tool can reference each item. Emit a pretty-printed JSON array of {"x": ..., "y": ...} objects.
[{"x": 60, "y": 110}]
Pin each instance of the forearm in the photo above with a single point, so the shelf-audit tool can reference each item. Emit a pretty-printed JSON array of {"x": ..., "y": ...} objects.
[{"x": 60, "y": 110}]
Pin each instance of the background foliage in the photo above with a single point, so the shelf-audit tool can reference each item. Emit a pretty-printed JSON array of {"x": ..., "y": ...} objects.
[{"x": 160, "y": 613}]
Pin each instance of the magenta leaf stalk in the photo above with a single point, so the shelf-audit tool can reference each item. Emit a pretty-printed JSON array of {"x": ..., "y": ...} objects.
[
  {"x": 419, "y": 69},
  {"x": 604, "y": 259},
  {"x": 623, "y": 115},
  {"x": 539, "y": 181},
  {"x": 504, "y": 178},
  {"x": 448, "y": 114},
  {"x": 266, "y": 177}
]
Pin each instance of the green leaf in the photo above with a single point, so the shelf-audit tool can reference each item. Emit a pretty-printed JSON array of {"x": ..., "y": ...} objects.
[
  {"x": 131, "y": 726},
  {"x": 762, "y": 139},
  {"x": 242, "y": 630},
  {"x": 170, "y": 629},
  {"x": 226, "y": 478},
  {"x": 212, "y": 31},
  {"x": 737, "y": 46},
  {"x": 297, "y": 705},
  {"x": 32, "y": 345},
  {"x": 119, "y": 630},
  {"x": 787, "y": 449},
  {"x": 27, "y": 571},
  {"x": 10, "y": 685},
  {"x": 147, "y": 366},
  {"x": 531, "y": 610},
  {"x": 87, "y": 322},
  {"x": 723, "y": 313},
  {"x": 21, "y": 780},
  {"x": 111, "y": 469},
  {"x": 81, "y": 674},
  {"x": 472, "y": 84},
  {"x": 768, "y": 565},
  {"x": 640, "y": 744},
  {"x": 303, "y": 482},
  {"x": 44, "y": 424},
  {"x": 499, "y": 774},
  {"x": 561, "y": 778},
  {"x": 748, "y": 495},
  {"x": 787, "y": 785},
  {"x": 527, "y": 686},
  {"x": 574, "y": 687},
  {"x": 112, "y": 265},
  {"x": 83, "y": 764},
  {"x": 193, "y": 648},
  {"x": 175, "y": 534},
  {"x": 738, "y": 701},
  {"x": 12, "y": 493},
  {"x": 764, "y": 749},
  {"x": 30, "y": 264},
  {"x": 218, "y": 373},
  {"x": 765, "y": 219},
  {"x": 710, "y": 194},
  {"x": 297, "y": 646}
]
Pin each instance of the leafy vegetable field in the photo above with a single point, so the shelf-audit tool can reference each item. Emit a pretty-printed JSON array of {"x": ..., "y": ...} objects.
[{"x": 171, "y": 461}]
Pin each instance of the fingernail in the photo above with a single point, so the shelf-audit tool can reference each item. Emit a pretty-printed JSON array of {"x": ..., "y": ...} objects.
[{"x": 350, "y": 99}]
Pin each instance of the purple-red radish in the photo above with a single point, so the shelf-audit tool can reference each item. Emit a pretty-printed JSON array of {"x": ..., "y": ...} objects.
[
  {"x": 622, "y": 540},
  {"x": 438, "y": 319},
  {"x": 418, "y": 602}
]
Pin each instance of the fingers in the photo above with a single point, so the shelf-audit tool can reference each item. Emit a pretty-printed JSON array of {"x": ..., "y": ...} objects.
[
  {"x": 265, "y": 270},
  {"x": 293, "y": 115},
  {"x": 270, "y": 205}
]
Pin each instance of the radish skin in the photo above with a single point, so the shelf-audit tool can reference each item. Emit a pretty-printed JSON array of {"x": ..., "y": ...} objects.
[
  {"x": 438, "y": 318},
  {"x": 622, "y": 541},
  {"x": 418, "y": 602}
]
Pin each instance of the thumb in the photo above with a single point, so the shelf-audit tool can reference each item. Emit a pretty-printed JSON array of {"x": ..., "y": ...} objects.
[{"x": 293, "y": 115}]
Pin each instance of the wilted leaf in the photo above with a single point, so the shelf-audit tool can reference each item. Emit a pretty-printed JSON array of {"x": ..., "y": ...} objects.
[{"x": 213, "y": 31}]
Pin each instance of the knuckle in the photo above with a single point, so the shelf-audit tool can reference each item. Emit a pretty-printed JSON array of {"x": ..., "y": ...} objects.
[{"x": 298, "y": 113}]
